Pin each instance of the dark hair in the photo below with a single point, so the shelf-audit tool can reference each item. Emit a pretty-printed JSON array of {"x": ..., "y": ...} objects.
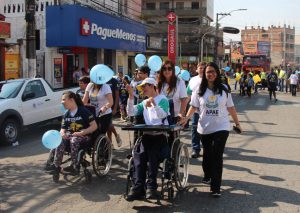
[
  {"x": 162, "y": 79},
  {"x": 145, "y": 69},
  {"x": 75, "y": 97},
  {"x": 218, "y": 86},
  {"x": 84, "y": 79}
]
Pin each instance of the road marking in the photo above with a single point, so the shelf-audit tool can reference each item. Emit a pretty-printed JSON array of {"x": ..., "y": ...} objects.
[{"x": 260, "y": 102}]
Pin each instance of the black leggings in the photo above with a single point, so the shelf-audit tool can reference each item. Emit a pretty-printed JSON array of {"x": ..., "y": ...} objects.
[
  {"x": 212, "y": 164},
  {"x": 104, "y": 123}
]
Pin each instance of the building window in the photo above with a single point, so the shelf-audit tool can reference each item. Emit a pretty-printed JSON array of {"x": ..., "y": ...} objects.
[
  {"x": 37, "y": 40},
  {"x": 150, "y": 6},
  {"x": 19, "y": 8},
  {"x": 42, "y": 6},
  {"x": 195, "y": 5},
  {"x": 164, "y": 5},
  {"x": 179, "y": 5},
  {"x": 4, "y": 8},
  {"x": 14, "y": 8},
  {"x": 8, "y": 9},
  {"x": 47, "y": 3},
  {"x": 37, "y": 7},
  {"x": 265, "y": 35}
]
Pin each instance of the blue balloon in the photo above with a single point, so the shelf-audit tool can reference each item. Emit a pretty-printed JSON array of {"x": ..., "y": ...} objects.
[
  {"x": 140, "y": 60},
  {"x": 100, "y": 74},
  {"x": 185, "y": 75},
  {"x": 227, "y": 69},
  {"x": 177, "y": 70},
  {"x": 62, "y": 108},
  {"x": 155, "y": 63},
  {"x": 51, "y": 139}
]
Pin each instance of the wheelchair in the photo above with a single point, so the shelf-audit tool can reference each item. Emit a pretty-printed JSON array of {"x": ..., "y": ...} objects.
[
  {"x": 99, "y": 149},
  {"x": 174, "y": 169}
]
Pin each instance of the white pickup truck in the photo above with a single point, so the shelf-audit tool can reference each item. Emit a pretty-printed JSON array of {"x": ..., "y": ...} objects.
[{"x": 26, "y": 102}]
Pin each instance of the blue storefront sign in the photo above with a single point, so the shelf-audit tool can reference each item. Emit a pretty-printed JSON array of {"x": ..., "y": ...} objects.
[{"x": 76, "y": 26}]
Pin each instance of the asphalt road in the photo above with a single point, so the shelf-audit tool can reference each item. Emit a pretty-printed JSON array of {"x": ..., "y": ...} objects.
[{"x": 261, "y": 170}]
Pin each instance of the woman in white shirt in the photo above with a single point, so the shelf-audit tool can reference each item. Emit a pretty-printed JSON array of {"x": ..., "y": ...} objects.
[
  {"x": 294, "y": 82},
  {"x": 214, "y": 102},
  {"x": 100, "y": 97},
  {"x": 173, "y": 88}
]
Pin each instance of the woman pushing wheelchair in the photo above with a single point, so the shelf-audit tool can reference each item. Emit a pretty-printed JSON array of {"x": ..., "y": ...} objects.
[{"x": 155, "y": 110}]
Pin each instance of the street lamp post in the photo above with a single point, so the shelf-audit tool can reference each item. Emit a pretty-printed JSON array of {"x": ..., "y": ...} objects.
[{"x": 217, "y": 31}]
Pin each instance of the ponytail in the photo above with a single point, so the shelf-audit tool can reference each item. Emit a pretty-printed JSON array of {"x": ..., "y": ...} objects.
[{"x": 75, "y": 97}]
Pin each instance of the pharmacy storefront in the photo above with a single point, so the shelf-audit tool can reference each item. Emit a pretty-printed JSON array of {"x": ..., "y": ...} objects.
[{"x": 79, "y": 37}]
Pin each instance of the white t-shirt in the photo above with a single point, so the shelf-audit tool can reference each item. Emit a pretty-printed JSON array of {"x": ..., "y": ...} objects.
[
  {"x": 154, "y": 115},
  {"x": 99, "y": 100},
  {"x": 177, "y": 94},
  {"x": 194, "y": 83},
  {"x": 293, "y": 79},
  {"x": 213, "y": 113}
]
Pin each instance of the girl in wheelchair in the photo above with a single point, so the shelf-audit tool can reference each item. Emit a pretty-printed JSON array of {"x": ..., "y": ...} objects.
[
  {"x": 78, "y": 124},
  {"x": 154, "y": 109}
]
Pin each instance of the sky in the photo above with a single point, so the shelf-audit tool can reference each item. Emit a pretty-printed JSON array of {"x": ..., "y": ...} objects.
[{"x": 261, "y": 13}]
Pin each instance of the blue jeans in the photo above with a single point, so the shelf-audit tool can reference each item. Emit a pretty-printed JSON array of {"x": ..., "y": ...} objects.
[{"x": 195, "y": 135}]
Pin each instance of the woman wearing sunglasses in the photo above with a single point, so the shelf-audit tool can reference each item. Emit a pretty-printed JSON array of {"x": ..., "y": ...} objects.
[
  {"x": 214, "y": 102},
  {"x": 173, "y": 88}
]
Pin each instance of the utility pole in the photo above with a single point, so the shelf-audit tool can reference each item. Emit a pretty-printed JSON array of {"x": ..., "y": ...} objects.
[{"x": 30, "y": 38}]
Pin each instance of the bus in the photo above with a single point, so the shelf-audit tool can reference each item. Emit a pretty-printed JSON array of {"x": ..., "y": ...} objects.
[{"x": 256, "y": 63}]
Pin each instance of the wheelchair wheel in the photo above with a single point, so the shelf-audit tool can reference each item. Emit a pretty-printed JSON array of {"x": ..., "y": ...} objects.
[
  {"x": 88, "y": 176},
  {"x": 102, "y": 156},
  {"x": 181, "y": 167},
  {"x": 129, "y": 182}
]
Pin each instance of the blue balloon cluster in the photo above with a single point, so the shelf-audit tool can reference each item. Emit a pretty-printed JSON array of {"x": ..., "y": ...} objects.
[
  {"x": 51, "y": 139},
  {"x": 100, "y": 74},
  {"x": 185, "y": 75},
  {"x": 140, "y": 60},
  {"x": 155, "y": 63}
]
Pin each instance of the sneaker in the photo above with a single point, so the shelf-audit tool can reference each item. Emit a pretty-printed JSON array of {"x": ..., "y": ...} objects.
[
  {"x": 71, "y": 170},
  {"x": 206, "y": 180},
  {"x": 119, "y": 140},
  {"x": 216, "y": 194},
  {"x": 135, "y": 195},
  {"x": 151, "y": 194},
  {"x": 195, "y": 154},
  {"x": 275, "y": 100}
]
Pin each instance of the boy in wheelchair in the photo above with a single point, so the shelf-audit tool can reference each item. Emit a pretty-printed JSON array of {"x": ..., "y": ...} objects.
[
  {"x": 154, "y": 109},
  {"x": 78, "y": 124}
]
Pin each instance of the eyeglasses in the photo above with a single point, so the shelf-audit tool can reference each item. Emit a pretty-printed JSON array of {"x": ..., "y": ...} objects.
[
  {"x": 211, "y": 72},
  {"x": 167, "y": 69}
]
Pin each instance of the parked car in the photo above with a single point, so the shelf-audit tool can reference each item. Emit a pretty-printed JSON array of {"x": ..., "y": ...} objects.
[{"x": 27, "y": 102}]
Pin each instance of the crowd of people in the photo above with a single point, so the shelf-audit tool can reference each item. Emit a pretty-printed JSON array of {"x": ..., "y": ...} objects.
[
  {"x": 162, "y": 99},
  {"x": 277, "y": 79}
]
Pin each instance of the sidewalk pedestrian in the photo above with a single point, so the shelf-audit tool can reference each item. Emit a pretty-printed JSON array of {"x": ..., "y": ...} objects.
[
  {"x": 294, "y": 82},
  {"x": 272, "y": 81}
]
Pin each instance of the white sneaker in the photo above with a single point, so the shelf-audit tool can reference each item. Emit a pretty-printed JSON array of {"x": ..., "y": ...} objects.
[{"x": 119, "y": 140}]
